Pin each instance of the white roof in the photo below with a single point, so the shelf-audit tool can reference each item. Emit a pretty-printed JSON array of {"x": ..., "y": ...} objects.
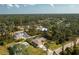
[{"x": 41, "y": 28}]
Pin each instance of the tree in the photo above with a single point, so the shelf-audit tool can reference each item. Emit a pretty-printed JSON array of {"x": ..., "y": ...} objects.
[{"x": 68, "y": 51}]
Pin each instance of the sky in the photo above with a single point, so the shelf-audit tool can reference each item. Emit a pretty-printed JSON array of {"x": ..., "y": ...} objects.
[{"x": 38, "y": 8}]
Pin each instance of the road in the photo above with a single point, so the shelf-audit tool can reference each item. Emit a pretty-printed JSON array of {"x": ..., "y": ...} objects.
[{"x": 58, "y": 50}]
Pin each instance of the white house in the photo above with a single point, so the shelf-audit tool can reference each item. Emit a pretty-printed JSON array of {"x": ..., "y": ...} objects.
[
  {"x": 41, "y": 28},
  {"x": 44, "y": 29},
  {"x": 20, "y": 35}
]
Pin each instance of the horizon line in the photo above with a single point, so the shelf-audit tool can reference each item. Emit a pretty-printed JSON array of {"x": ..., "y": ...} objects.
[{"x": 39, "y": 13}]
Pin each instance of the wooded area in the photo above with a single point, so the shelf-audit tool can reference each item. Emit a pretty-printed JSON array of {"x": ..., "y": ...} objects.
[{"x": 61, "y": 27}]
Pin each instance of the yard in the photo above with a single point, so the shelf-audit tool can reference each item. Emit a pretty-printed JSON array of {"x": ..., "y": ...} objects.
[
  {"x": 34, "y": 51},
  {"x": 3, "y": 50},
  {"x": 52, "y": 45}
]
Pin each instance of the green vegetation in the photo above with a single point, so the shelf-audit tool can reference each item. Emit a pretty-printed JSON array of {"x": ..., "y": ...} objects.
[
  {"x": 71, "y": 50},
  {"x": 60, "y": 29},
  {"x": 52, "y": 45},
  {"x": 34, "y": 51},
  {"x": 23, "y": 50},
  {"x": 3, "y": 50}
]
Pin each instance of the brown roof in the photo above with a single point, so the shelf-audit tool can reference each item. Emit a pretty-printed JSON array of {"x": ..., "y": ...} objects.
[{"x": 39, "y": 41}]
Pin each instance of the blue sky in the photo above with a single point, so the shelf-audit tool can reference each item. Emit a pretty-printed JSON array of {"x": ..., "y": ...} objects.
[{"x": 38, "y": 8}]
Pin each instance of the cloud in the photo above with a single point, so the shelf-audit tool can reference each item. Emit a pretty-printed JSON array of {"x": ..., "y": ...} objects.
[
  {"x": 24, "y": 5},
  {"x": 9, "y": 5},
  {"x": 52, "y": 5},
  {"x": 13, "y": 5},
  {"x": 17, "y": 5},
  {"x": 32, "y": 4}
]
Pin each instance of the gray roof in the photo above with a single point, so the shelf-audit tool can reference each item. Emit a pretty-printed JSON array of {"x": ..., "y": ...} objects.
[{"x": 20, "y": 34}]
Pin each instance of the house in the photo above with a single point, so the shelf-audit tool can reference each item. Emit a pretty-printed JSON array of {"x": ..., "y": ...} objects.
[
  {"x": 44, "y": 29},
  {"x": 41, "y": 28},
  {"x": 20, "y": 35},
  {"x": 39, "y": 42},
  {"x": 20, "y": 27}
]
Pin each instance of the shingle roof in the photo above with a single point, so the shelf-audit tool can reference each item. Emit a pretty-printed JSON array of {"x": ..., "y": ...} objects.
[
  {"x": 38, "y": 41},
  {"x": 20, "y": 34}
]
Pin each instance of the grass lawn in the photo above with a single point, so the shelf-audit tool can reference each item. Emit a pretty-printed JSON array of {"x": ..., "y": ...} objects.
[
  {"x": 3, "y": 50},
  {"x": 34, "y": 51},
  {"x": 52, "y": 45}
]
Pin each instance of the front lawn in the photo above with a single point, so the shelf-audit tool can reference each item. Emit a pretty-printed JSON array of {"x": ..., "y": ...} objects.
[
  {"x": 52, "y": 45},
  {"x": 3, "y": 50},
  {"x": 34, "y": 51}
]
